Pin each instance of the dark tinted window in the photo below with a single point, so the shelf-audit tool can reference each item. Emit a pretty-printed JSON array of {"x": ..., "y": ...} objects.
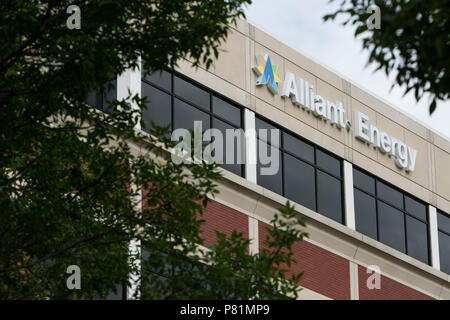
[
  {"x": 109, "y": 95},
  {"x": 156, "y": 259},
  {"x": 299, "y": 182},
  {"x": 92, "y": 99},
  {"x": 101, "y": 99},
  {"x": 298, "y": 148},
  {"x": 238, "y": 155},
  {"x": 161, "y": 79},
  {"x": 192, "y": 93},
  {"x": 159, "y": 107},
  {"x": 443, "y": 222},
  {"x": 264, "y": 132},
  {"x": 305, "y": 169},
  {"x": 329, "y": 196},
  {"x": 391, "y": 226},
  {"x": 172, "y": 276},
  {"x": 415, "y": 208},
  {"x": 328, "y": 163},
  {"x": 271, "y": 182},
  {"x": 389, "y": 194},
  {"x": 444, "y": 251},
  {"x": 365, "y": 214},
  {"x": 363, "y": 181},
  {"x": 185, "y": 116},
  {"x": 417, "y": 239},
  {"x": 227, "y": 111},
  {"x": 117, "y": 294},
  {"x": 401, "y": 219},
  {"x": 183, "y": 103},
  {"x": 156, "y": 270}
]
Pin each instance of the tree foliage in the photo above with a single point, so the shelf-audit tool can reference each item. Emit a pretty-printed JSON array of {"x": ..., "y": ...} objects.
[
  {"x": 413, "y": 42},
  {"x": 70, "y": 175},
  {"x": 226, "y": 270}
]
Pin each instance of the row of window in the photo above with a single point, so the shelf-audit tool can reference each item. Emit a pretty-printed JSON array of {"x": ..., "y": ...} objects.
[
  {"x": 443, "y": 222},
  {"x": 102, "y": 99},
  {"x": 172, "y": 101},
  {"x": 167, "y": 276},
  {"x": 390, "y": 216},
  {"x": 157, "y": 269},
  {"x": 306, "y": 174}
]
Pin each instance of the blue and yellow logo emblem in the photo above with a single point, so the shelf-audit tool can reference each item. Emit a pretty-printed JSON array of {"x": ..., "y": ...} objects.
[{"x": 267, "y": 73}]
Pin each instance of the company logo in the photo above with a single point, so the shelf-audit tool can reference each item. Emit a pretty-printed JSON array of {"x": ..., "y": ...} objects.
[{"x": 267, "y": 73}]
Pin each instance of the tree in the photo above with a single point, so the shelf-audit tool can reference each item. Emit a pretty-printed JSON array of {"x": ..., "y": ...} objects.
[
  {"x": 413, "y": 42},
  {"x": 70, "y": 176}
]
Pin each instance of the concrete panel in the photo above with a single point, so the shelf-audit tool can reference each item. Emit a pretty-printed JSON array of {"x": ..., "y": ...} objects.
[
  {"x": 213, "y": 82},
  {"x": 231, "y": 63},
  {"x": 441, "y": 142},
  {"x": 284, "y": 50},
  {"x": 299, "y": 59},
  {"x": 442, "y": 204},
  {"x": 240, "y": 198},
  {"x": 421, "y": 173},
  {"x": 442, "y": 163},
  {"x": 445, "y": 294},
  {"x": 412, "y": 125},
  {"x": 242, "y": 26},
  {"x": 307, "y": 294}
]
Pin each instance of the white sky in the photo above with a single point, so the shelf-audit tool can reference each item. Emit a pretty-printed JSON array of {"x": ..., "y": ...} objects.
[{"x": 299, "y": 24}]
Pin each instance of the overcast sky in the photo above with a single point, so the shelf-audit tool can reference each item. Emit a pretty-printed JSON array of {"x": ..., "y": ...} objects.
[{"x": 299, "y": 24}]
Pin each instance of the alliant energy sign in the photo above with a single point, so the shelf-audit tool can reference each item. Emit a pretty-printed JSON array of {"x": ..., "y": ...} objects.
[{"x": 301, "y": 93}]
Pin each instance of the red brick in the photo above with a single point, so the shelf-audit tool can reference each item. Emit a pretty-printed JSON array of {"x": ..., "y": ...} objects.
[
  {"x": 390, "y": 289},
  {"x": 324, "y": 272},
  {"x": 222, "y": 218}
]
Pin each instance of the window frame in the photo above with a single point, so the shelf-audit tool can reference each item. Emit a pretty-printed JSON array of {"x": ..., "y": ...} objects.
[
  {"x": 209, "y": 112},
  {"x": 314, "y": 165},
  {"x": 445, "y": 214},
  {"x": 100, "y": 95},
  {"x": 404, "y": 212}
]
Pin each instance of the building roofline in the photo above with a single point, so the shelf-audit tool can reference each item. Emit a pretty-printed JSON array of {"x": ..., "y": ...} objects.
[{"x": 361, "y": 87}]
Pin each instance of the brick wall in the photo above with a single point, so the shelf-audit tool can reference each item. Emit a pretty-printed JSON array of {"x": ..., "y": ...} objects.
[
  {"x": 324, "y": 272},
  {"x": 217, "y": 217},
  {"x": 222, "y": 218},
  {"x": 389, "y": 289}
]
